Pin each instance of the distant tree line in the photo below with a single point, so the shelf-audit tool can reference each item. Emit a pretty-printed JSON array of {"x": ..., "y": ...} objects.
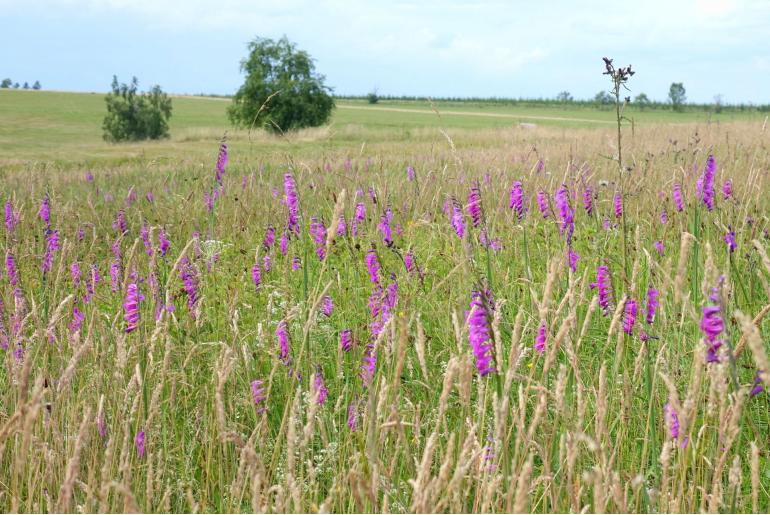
[
  {"x": 8, "y": 83},
  {"x": 676, "y": 101}
]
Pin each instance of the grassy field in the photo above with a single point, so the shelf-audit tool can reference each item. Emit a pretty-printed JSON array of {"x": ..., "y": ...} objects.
[
  {"x": 65, "y": 128},
  {"x": 383, "y": 317}
]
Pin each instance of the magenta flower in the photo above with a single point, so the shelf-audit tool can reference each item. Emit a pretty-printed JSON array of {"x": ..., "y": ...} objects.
[
  {"x": 45, "y": 212},
  {"x": 258, "y": 395},
  {"x": 474, "y": 206},
  {"x": 256, "y": 275},
  {"x": 284, "y": 243},
  {"x": 727, "y": 190},
  {"x": 730, "y": 240},
  {"x": 712, "y": 326},
  {"x": 318, "y": 234},
  {"x": 321, "y": 392},
  {"x": 565, "y": 212},
  {"x": 542, "y": 204},
  {"x": 629, "y": 316},
  {"x": 144, "y": 233},
  {"x": 342, "y": 226},
  {"x": 131, "y": 307},
  {"x": 292, "y": 202},
  {"x": 11, "y": 270},
  {"x": 672, "y": 421},
  {"x": 269, "y": 238},
  {"x": 327, "y": 305},
  {"x": 384, "y": 227},
  {"x": 189, "y": 276},
  {"x": 410, "y": 173},
  {"x": 267, "y": 262},
  {"x": 150, "y": 197},
  {"x": 222, "y": 159},
  {"x": 677, "y": 194},
  {"x": 663, "y": 217},
  {"x": 517, "y": 200},
  {"x": 368, "y": 365},
  {"x": 296, "y": 263},
  {"x": 51, "y": 246},
  {"x": 572, "y": 259},
  {"x": 618, "y": 204},
  {"x": 163, "y": 243},
  {"x": 373, "y": 266},
  {"x": 346, "y": 340},
  {"x": 707, "y": 183},
  {"x": 660, "y": 247},
  {"x": 603, "y": 288},
  {"x": 11, "y": 217},
  {"x": 115, "y": 275},
  {"x": 282, "y": 333},
  {"x": 588, "y": 200},
  {"x": 757, "y": 387},
  {"x": 75, "y": 274},
  {"x": 120, "y": 222},
  {"x": 479, "y": 333},
  {"x": 352, "y": 416},
  {"x": 541, "y": 338},
  {"x": 359, "y": 217},
  {"x": 458, "y": 221},
  {"x": 139, "y": 443},
  {"x": 77, "y": 320},
  {"x": 652, "y": 304}
]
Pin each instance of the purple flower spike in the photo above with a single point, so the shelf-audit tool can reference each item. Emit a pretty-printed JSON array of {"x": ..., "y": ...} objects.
[{"x": 479, "y": 333}]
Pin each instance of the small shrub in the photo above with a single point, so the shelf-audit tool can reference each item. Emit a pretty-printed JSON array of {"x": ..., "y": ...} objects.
[{"x": 133, "y": 116}]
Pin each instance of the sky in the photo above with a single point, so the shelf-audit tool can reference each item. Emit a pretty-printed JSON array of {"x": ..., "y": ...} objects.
[{"x": 458, "y": 48}]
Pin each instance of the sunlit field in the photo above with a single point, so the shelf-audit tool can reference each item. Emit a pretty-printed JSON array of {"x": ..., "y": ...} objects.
[{"x": 461, "y": 314}]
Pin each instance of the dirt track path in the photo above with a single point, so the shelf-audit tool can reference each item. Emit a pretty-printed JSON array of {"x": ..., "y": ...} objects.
[{"x": 475, "y": 113}]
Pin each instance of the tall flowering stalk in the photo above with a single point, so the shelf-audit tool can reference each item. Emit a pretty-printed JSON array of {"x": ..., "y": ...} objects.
[
  {"x": 222, "y": 159},
  {"x": 706, "y": 183},
  {"x": 712, "y": 325},
  {"x": 542, "y": 204},
  {"x": 51, "y": 246},
  {"x": 373, "y": 266},
  {"x": 676, "y": 193},
  {"x": 566, "y": 213},
  {"x": 474, "y": 206},
  {"x": 652, "y": 304},
  {"x": 516, "y": 201},
  {"x": 480, "y": 332},
  {"x": 282, "y": 334},
  {"x": 292, "y": 203},
  {"x": 318, "y": 234},
  {"x": 131, "y": 307},
  {"x": 385, "y": 228},
  {"x": 629, "y": 316},
  {"x": 603, "y": 288},
  {"x": 457, "y": 219},
  {"x": 190, "y": 283}
]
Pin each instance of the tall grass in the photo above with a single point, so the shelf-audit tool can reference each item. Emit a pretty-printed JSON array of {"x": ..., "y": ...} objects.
[{"x": 584, "y": 426}]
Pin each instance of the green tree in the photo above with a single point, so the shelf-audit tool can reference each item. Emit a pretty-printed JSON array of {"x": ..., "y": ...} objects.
[
  {"x": 7, "y": 83},
  {"x": 677, "y": 96},
  {"x": 603, "y": 98},
  {"x": 133, "y": 116},
  {"x": 26, "y": 85},
  {"x": 564, "y": 97},
  {"x": 281, "y": 85},
  {"x": 36, "y": 85},
  {"x": 642, "y": 100},
  {"x": 373, "y": 97}
]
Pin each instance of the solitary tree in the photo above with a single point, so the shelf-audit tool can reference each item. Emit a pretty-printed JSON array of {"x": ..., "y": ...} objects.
[
  {"x": 373, "y": 97},
  {"x": 603, "y": 98},
  {"x": 282, "y": 90},
  {"x": 676, "y": 95},
  {"x": 564, "y": 96},
  {"x": 26, "y": 85},
  {"x": 36, "y": 85},
  {"x": 642, "y": 100},
  {"x": 135, "y": 116}
]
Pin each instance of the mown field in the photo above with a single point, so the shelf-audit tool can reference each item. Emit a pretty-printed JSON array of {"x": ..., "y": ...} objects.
[{"x": 401, "y": 312}]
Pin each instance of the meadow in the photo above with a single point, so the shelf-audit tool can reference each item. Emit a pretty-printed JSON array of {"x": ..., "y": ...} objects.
[{"x": 402, "y": 312}]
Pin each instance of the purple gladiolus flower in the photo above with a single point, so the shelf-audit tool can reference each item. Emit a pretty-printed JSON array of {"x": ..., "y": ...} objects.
[
  {"x": 131, "y": 307},
  {"x": 258, "y": 395},
  {"x": 730, "y": 240},
  {"x": 727, "y": 189},
  {"x": 296, "y": 263},
  {"x": 517, "y": 199},
  {"x": 565, "y": 212},
  {"x": 292, "y": 202},
  {"x": 346, "y": 340},
  {"x": 410, "y": 173},
  {"x": 542, "y": 204},
  {"x": 660, "y": 247},
  {"x": 652, "y": 304},
  {"x": 588, "y": 200},
  {"x": 45, "y": 212},
  {"x": 115, "y": 276},
  {"x": 256, "y": 275},
  {"x": 541, "y": 338},
  {"x": 11, "y": 217},
  {"x": 368, "y": 365},
  {"x": 603, "y": 287},
  {"x": 77, "y": 320},
  {"x": 51, "y": 246},
  {"x": 190, "y": 283},
  {"x": 479, "y": 333},
  {"x": 629, "y": 316},
  {"x": 474, "y": 206},
  {"x": 352, "y": 416},
  {"x": 269, "y": 238},
  {"x": 707, "y": 183},
  {"x": 150, "y": 197},
  {"x": 758, "y": 387},
  {"x": 282, "y": 333},
  {"x": 359, "y": 217},
  {"x": 267, "y": 263},
  {"x": 318, "y": 234},
  {"x": 11, "y": 270},
  {"x": 222, "y": 159},
  {"x": 321, "y": 392},
  {"x": 139, "y": 443},
  {"x": 327, "y": 305},
  {"x": 284, "y": 243},
  {"x": 120, "y": 222},
  {"x": 672, "y": 421},
  {"x": 89, "y": 176},
  {"x": 342, "y": 226},
  {"x": 75, "y": 273},
  {"x": 163, "y": 243},
  {"x": 458, "y": 222},
  {"x": 677, "y": 194},
  {"x": 144, "y": 233},
  {"x": 384, "y": 227},
  {"x": 663, "y": 217},
  {"x": 712, "y": 326},
  {"x": 373, "y": 266},
  {"x": 618, "y": 204}
]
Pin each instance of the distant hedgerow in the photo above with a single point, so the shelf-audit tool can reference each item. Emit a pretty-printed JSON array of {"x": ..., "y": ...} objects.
[{"x": 133, "y": 116}]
